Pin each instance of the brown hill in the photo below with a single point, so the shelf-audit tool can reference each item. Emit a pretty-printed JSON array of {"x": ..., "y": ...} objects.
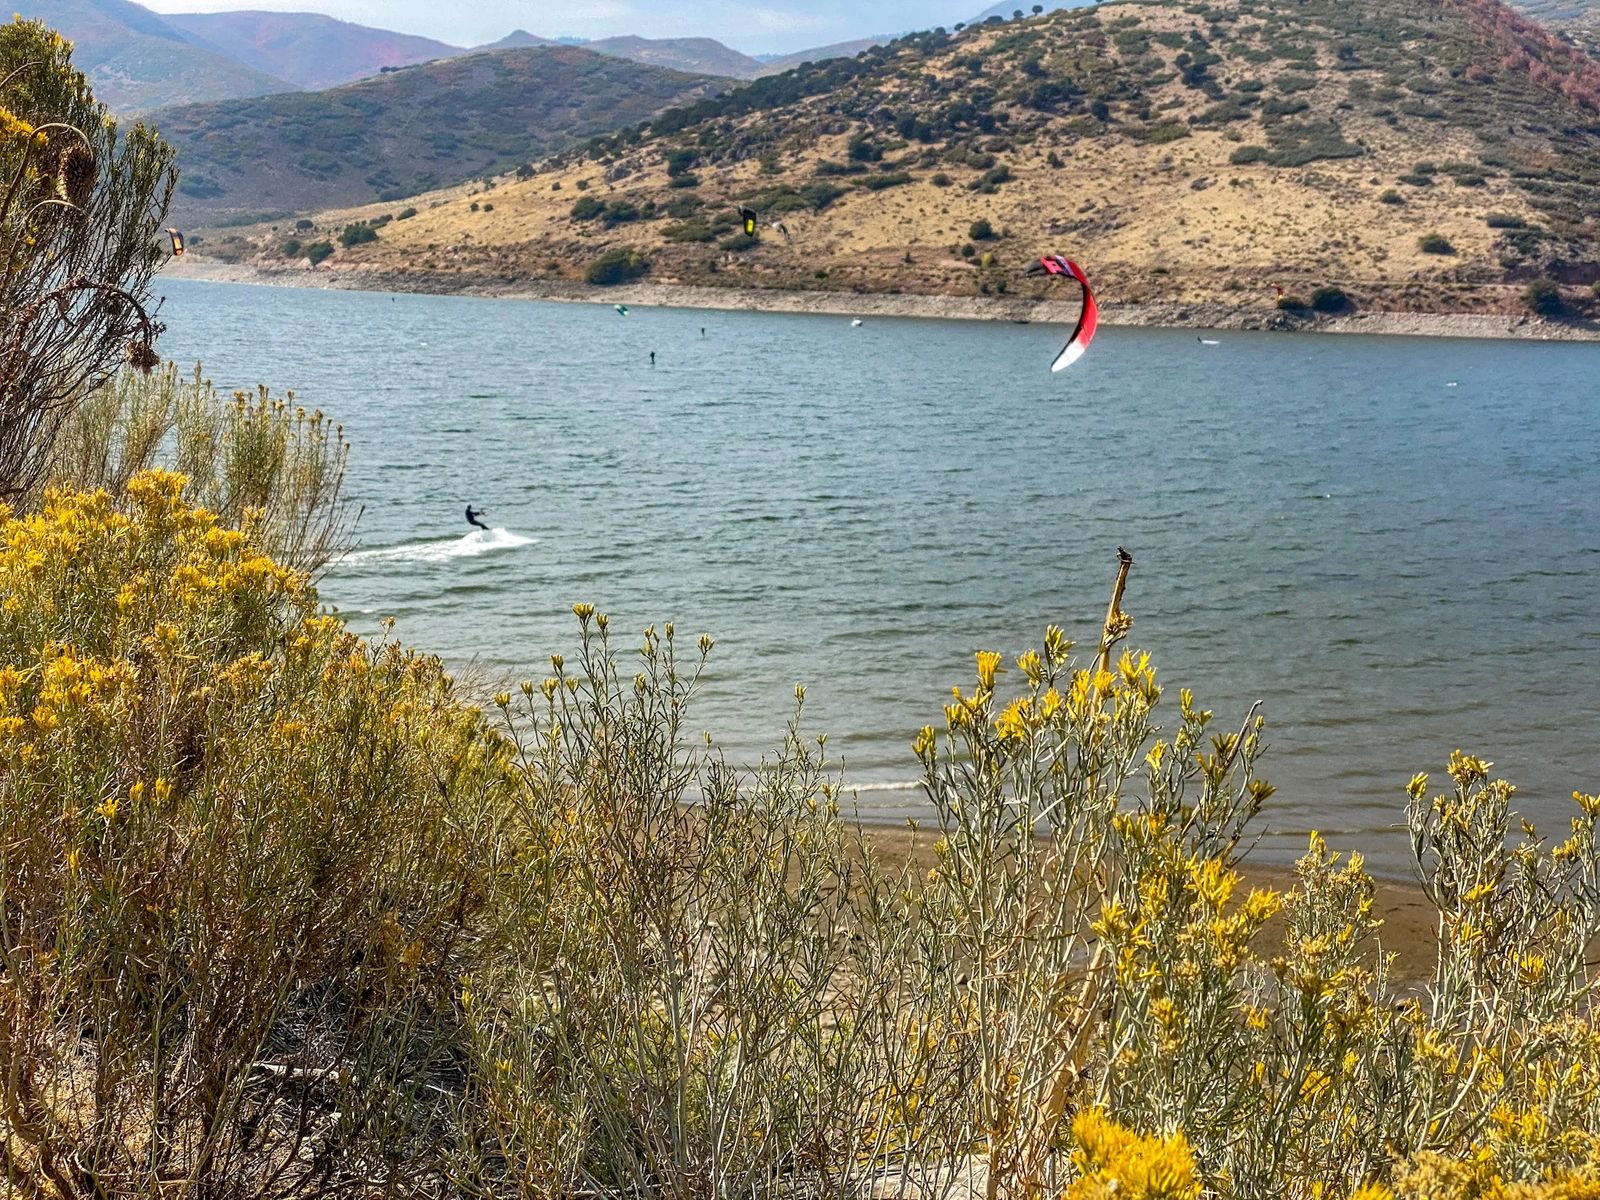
[
  {"x": 1416, "y": 154},
  {"x": 404, "y": 132}
]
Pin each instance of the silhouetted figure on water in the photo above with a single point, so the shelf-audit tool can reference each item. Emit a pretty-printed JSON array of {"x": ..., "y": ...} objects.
[
  {"x": 476, "y": 517},
  {"x": 652, "y": 358}
]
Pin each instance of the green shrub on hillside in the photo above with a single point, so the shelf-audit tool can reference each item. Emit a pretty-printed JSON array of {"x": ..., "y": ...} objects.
[
  {"x": 616, "y": 266},
  {"x": 358, "y": 234},
  {"x": 690, "y": 231},
  {"x": 821, "y": 193},
  {"x": 587, "y": 208},
  {"x": 1435, "y": 243},
  {"x": 981, "y": 230},
  {"x": 1330, "y": 299},
  {"x": 1159, "y": 133},
  {"x": 889, "y": 179},
  {"x": 319, "y": 252},
  {"x": 1295, "y": 145},
  {"x": 1543, "y": 296},
  {"x": 1500, "y": 220}
]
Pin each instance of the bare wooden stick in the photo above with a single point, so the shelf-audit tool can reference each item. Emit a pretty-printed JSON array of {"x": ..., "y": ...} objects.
[{"x": 1113, "y": 631}]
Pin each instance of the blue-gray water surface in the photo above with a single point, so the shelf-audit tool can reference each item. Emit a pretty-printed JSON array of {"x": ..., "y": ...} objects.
[{"x": 1392, "y": 543}]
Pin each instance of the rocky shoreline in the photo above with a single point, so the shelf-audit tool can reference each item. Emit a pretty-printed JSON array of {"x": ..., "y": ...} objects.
[{"x": 1166, "y": 315}]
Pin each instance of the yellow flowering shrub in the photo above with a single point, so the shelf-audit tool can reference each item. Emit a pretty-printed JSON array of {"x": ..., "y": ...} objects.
[
  {"x": 261, "y": 463},
  {"x": 238, "y": 848}
]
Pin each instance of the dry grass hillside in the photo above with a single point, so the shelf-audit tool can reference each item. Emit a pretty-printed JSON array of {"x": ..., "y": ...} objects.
[{"x": 1422, "y": 155}]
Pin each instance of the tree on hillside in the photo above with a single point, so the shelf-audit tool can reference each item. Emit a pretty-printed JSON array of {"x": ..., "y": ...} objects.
[{"x": 81, "y": 209}]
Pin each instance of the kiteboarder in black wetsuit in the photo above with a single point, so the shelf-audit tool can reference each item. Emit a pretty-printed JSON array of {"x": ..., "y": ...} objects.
[{"x": 475, "y": 518}]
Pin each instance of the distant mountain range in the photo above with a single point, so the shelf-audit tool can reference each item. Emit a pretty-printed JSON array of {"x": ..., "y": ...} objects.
[
  {"x": 406, "y": 131},
  {"x": 704, "y": 55},
  {"x": 778, "y": 64},
  {"x": 519, "y": 39},
  {"x": 307, "y": 50},
  {"x": 139, "y": 60}
]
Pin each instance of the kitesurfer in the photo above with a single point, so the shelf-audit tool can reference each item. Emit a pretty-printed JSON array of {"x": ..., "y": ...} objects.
[
  {"x": 652, "y": 358},
  {"x": 475, "y": 517}
]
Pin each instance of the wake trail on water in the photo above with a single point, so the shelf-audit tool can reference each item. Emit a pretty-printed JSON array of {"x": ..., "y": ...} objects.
[{"x": 438, "y": 550}]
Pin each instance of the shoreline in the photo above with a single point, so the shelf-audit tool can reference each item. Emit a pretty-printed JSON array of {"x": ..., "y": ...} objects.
[{"x": 1202, "y": 315}]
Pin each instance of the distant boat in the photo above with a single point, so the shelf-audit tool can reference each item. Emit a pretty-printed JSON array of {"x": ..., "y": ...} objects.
[
  {"x": 1208, "y": 341},
  {"x": 855, "y": 323}
]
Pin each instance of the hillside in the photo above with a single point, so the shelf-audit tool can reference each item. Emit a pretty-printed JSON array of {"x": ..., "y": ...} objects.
[
  {"x": 136, "y": 60},
  {"x": 307, "y": 49},
  {"x": 698, "y": 56},
  {"x": 417, "y": 128},
  {"x": 1205, "y": 151}
]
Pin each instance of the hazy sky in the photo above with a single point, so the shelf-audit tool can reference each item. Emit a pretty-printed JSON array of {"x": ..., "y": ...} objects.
[{"x": 761, "y": 26}]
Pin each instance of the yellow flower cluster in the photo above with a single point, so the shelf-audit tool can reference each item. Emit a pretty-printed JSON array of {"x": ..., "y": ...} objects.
[{"x": 1115, "y": 1162}]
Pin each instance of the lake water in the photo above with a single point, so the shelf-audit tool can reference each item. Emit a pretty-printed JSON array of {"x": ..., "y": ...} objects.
[{"x": 1393, "y": 543}]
